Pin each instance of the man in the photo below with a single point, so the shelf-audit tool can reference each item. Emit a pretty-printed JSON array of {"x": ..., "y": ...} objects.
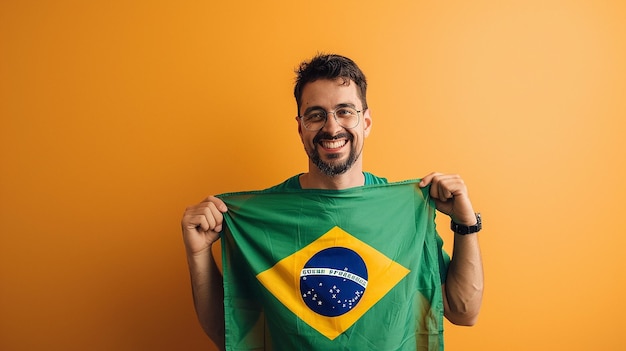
[{"x": 334, "y": 85}]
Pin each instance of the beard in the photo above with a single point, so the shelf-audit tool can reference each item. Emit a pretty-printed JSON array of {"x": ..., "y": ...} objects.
[{"x": 328, "y": 168}]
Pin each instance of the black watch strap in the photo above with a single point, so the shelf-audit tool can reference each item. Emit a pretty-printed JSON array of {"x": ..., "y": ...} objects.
[{"x": 467, "y": 229}]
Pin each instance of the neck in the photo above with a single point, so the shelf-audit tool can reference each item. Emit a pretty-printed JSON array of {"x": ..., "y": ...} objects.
[{"x": 315, "y": 179}]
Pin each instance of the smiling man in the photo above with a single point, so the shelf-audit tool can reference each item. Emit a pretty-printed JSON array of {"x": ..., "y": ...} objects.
[{"x": 333, "y": 122}]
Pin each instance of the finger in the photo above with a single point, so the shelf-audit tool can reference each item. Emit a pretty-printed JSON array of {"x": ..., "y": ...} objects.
[
  {"x": 203, "y": 216},
  {"x": 454, "y": 184},
  {"x": 444, "y": 186},
  {"x": 444, "y": 192},
  {"x": 440, "y": 191},
  {"x": 215, "y": 216},
  {"x": 427, "y": 179},
  {"x": 202, "y": 223},
  {"x": 195, "y": 220},
  {"x": 219, "y": 204}
]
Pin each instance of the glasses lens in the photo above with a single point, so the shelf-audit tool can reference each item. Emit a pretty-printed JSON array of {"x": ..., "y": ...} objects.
[
  {"x": 347, "y": 117},
  {"x": 314, "y": 120}
]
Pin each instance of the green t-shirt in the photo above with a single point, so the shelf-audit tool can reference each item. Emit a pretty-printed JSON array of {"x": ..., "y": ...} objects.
[{"x": 293, "y": 183}]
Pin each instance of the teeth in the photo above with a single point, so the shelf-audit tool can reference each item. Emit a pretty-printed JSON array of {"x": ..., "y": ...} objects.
[{"x": 333, "y": 144}]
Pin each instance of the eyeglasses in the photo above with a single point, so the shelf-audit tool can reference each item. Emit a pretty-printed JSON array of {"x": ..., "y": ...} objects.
[{"x": 315, "y": 120}]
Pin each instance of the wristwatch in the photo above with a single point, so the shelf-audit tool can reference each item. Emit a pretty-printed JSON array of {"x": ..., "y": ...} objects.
[{"x": 467, "y": 229}]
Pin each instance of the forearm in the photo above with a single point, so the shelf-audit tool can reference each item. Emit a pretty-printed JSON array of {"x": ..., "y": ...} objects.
[
  {"x": 463, "y": 290},
  {"x": 208, "y": 295}
]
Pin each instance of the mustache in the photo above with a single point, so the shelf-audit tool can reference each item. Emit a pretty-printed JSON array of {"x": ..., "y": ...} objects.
[{"x": 327, "y": 136}]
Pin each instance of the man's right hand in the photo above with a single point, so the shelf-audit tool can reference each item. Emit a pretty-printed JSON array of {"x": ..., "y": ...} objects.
[{"x": 201, "y": 225}]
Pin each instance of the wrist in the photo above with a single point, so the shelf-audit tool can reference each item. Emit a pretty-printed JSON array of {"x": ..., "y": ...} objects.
[{"x": 465, "y": 228}]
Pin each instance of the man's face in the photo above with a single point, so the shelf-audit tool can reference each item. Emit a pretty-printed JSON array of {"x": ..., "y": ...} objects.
[{"x": 333, "y": 149}]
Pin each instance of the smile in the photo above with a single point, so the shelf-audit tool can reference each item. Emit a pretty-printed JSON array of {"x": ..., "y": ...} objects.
[{"x": 333, "y": 144}]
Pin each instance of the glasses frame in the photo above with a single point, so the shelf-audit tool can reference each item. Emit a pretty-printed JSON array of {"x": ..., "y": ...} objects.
[{"x": 358, "y": 118}]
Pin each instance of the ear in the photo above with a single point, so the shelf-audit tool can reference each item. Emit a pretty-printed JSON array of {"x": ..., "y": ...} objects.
[
  {"x": 367, "y": 122},
  {"x": 299, "y": 127}
]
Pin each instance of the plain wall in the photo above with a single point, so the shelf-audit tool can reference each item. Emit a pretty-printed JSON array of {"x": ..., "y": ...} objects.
[{"x": 116, "y": 115}]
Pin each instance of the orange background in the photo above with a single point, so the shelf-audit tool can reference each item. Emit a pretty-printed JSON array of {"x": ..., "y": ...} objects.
[{"x": 116, "y": 115}]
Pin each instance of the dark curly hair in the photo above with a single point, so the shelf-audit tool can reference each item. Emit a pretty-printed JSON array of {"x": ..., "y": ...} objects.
[{"x": 330, "y": 66}]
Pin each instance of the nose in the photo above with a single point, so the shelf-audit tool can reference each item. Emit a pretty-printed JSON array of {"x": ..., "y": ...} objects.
[{"x": 331, "y": 126}]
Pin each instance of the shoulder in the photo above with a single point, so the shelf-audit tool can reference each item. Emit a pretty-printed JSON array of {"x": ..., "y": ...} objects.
[{"x": 371, "y": 179}]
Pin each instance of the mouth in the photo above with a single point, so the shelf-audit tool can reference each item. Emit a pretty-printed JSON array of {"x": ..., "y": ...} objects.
[{"x": 333, "y": 144}]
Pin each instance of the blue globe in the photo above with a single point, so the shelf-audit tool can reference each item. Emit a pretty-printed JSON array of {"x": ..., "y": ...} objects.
[{"x": 333, "y": 281}]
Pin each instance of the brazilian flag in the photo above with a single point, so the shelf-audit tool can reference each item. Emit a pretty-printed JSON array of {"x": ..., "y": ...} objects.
[{"x": 312, "y": 269}]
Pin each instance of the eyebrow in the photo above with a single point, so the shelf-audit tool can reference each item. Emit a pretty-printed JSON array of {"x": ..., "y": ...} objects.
[{"x": 314, "y": 108}]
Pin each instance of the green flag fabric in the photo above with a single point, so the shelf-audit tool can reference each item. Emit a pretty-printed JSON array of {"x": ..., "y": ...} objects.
[{"x": 353, "y": 269}]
